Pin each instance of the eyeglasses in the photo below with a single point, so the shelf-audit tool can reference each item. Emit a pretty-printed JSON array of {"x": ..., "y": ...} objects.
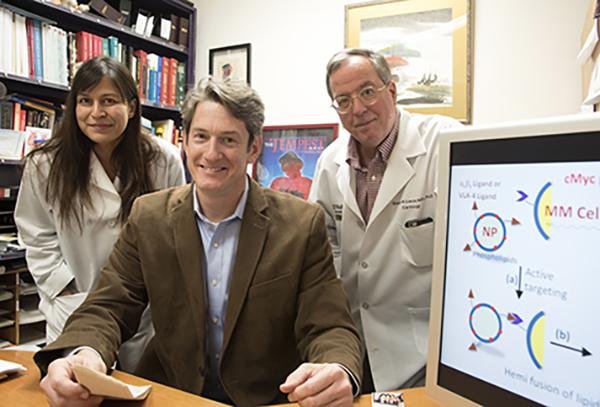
[{"x": 367, "y": 96}]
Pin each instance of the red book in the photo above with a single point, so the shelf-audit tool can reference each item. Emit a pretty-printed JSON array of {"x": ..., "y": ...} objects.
[
  {"x": 83, "y": 50},
  {"x": 172, "y": 82},
  {"x": 142, "y": 72},
  {"x": 164, "y": 85},
  {"x": 96, "y": 50},
  {"x": 90, "y": 41},
  {"x": 23, "y": 119},
  {"x": 29, "y": 26}
]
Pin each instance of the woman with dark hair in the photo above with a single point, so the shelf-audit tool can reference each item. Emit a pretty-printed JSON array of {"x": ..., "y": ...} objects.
[{"x": 78, "y": 188}]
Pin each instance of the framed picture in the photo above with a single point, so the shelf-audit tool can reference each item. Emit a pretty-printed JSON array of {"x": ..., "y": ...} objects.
[
  {"x": 230, "y": 62},
  {"x": 428, "y": 45},
  {"x": 289, "y": 155}
]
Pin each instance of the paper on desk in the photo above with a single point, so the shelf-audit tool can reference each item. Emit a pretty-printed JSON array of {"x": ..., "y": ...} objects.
[
  {"x": 588, "y": 48},
  {"x": 103, "y": 385},
  {"x": 7, "y": 368}
]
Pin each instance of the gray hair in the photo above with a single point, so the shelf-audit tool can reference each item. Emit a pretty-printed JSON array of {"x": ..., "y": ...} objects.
[
  {"x": 236, "y": 96},
  {"x": 379, "y": 63}
]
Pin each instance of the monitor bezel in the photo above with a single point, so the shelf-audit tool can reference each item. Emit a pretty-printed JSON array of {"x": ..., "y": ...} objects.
[{"x": 567, "y": 125}]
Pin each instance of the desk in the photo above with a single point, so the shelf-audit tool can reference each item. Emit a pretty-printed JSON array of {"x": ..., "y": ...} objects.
[{"x": 23, "y": 389}]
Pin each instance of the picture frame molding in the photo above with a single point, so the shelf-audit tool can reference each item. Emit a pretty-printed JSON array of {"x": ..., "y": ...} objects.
[
  {"x": 462, "y": 81},
  {"x": 215, "y": 53},
  {"x": 258, "y": 166}
]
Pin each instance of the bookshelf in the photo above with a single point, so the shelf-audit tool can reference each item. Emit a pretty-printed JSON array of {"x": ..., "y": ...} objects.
[
  {"x": 20, "y": 321},
  {"x": 74, "y": 21}
]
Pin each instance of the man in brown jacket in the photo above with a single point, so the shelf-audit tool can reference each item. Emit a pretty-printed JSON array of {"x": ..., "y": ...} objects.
[{"x": 245, "y": 300}]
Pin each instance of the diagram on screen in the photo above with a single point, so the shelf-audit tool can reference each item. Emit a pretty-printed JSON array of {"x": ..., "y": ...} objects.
[
  {"x": 544, "y": 211},
  {"x": 489, "y": 231},
  {"x": 486, "y": 324}
]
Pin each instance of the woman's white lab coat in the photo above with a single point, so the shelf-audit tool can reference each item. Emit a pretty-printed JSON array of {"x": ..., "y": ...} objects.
[{"x": 56, "y": 254}]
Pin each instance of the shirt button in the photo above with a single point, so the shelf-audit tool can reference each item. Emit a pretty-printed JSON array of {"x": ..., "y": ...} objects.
[
  {"x": 364, "y": 264},
  {"x": 217, "y": 356},
  {"x": 373, "y": 178},
  {"x": 216, "y": 245},
  {"x": 365, "y": 305},
  {"x": 112, "y": 224},
  {"x": 215, "y": 320},
  {"x": 214, "y": 282},
  {"x": 360, "y": 223}
]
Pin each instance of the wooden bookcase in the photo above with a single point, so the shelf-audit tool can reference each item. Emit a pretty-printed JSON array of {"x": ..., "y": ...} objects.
[
  {"x": 75, "y": 21},
  {"x": 14, "y": 276}
]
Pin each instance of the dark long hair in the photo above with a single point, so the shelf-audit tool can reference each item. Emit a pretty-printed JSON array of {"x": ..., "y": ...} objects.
[{"x": 69, "y": 149}]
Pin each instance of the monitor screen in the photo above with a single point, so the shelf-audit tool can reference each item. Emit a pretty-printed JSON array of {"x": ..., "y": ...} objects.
[{"x": 515, "y": 312}]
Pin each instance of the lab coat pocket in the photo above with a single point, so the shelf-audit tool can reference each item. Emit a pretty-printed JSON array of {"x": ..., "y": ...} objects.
[
  {"x": 416, "y": 244},
  {"x": 419, "y": 320},
  {"x": 64, "y": 307}
]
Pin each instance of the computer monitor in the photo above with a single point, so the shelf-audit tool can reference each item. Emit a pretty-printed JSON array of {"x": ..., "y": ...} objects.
[{"x": 515, "y": 316}]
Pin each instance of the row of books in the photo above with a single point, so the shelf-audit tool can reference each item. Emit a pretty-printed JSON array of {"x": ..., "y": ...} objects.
[
  {"x": 18, "y": 111},
  {"x": 171, "y": 27},
  {"x": 160, "y": 79},
  {"x": 45, "y": 52},
  {"x": 33, "y": 48},
  {"x": 15, "y": 144},
  {"x": 166, "y": 129}
]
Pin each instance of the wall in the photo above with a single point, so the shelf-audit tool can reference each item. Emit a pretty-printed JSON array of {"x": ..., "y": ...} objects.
[{"x": 524, "y": 54}]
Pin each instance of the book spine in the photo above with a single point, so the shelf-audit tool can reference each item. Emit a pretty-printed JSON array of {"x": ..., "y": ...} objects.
[
  {"x": 81, "y": 46},
  {"x": 6, "y": 121},
  {"x": 180, "y": 83},
  {"x": 90, "y": 45},
  {"x": 37, "y": 50},
  {"x": 159, "y": 88},
  {"x": 165, "y": 79},
  {"x": 30, "y": 47},
  {"x": 174, "y": 37},
  {"x": 172, "y": 82},
  {"x": 23, "y": 123},
  {"x": 105, "y": 47},
  {"x": 114, "y": 47},
  {"x": 30, "y": 119},
  {"x": 142, "y": 65},
  {"x": 16, "y": 121},
  {"x": 184, "y": 25}
]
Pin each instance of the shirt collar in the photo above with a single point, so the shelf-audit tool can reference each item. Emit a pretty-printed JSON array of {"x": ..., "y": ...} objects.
[
  {"x": 384, "y": 149},
  {"x": 239, "y": 210}
]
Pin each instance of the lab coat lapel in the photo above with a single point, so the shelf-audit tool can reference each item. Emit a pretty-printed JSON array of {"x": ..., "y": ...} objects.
[
  {"x": 99, "y": 177},
  {"x": 253, "y": 235},
  {"x": 188, "y": 246},
  {"x": 399, "y": 170},
  {"x": 346, "y": 181}
]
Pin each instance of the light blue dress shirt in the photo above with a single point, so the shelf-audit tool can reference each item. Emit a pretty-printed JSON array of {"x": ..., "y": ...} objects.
[{"x": 219, "y": 241}]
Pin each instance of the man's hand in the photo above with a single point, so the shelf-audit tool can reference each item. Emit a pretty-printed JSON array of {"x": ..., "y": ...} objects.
[
  {"x": 315, "y": 385},
  {"x": 60, "y": 386}
]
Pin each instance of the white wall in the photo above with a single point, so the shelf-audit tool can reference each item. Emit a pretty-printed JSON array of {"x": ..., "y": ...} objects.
[{"x": 524, "y": 54}]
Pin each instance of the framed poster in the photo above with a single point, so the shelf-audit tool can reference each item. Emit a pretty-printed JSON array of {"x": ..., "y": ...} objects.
[
  {"x": 289, "y": 155},
  {"x": 428, "y": 45},
  {"x": 230, "y": 62}
]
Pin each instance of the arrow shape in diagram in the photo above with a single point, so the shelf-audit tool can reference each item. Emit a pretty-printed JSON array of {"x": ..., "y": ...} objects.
[
  {"x": 523, "y": 197},
  {"x": 583, "y": 351},
  {"x": 514, "y": 318},
  {"x": 519, "y": 292}
]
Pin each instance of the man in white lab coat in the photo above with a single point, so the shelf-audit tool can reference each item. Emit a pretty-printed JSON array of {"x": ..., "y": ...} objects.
[{"x": 378, "y": 189}]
